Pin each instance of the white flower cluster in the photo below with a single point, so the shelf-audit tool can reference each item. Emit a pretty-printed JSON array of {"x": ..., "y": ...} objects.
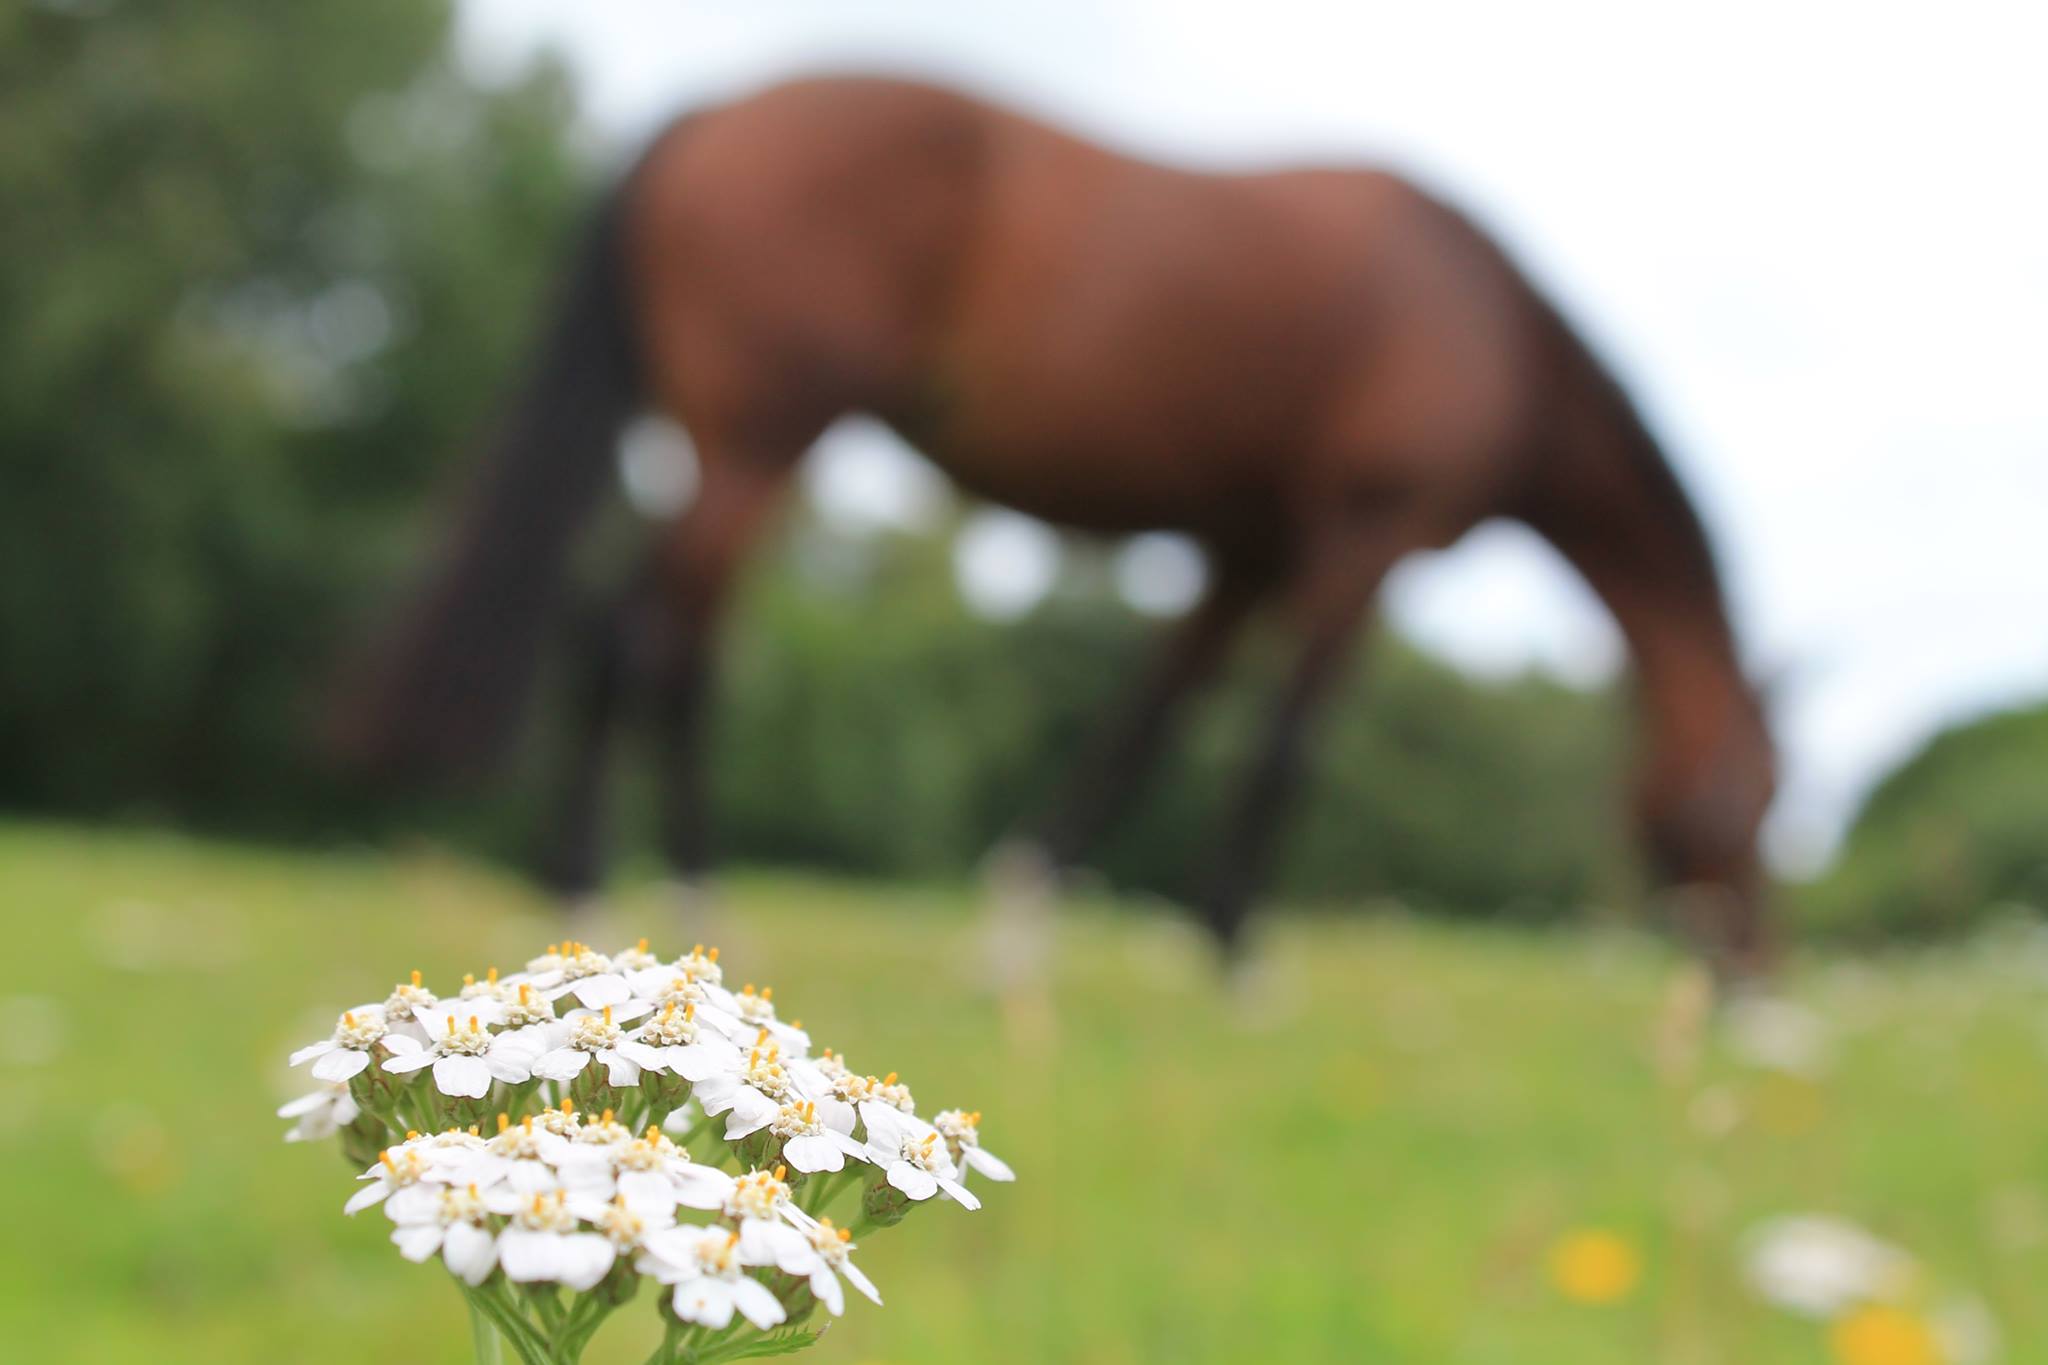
[{"x": 557, "y": 1135}]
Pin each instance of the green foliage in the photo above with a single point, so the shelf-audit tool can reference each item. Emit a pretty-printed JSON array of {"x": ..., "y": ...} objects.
[
  {"x": 1957, "y": 831},
  {"x": 261, "y": 267}
]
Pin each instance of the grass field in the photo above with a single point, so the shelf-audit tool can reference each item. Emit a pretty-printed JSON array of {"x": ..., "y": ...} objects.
[{"x": 1370, "y": 1160}]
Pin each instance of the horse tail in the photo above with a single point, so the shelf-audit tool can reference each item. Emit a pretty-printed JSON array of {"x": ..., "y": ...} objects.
[{"x": 444, "y": 688}]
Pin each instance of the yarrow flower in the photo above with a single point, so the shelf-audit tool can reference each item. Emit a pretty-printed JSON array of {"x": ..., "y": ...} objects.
[
  {"x": 356, "y": 1036},
  {"x": 664, "y": 1128},
  {"x": 465, "y": 1055}
]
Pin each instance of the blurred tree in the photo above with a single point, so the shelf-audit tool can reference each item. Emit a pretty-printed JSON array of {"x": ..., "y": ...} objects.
[
  {"x": 260, "y": 268},
  {"x": 1958, "y": 831}
]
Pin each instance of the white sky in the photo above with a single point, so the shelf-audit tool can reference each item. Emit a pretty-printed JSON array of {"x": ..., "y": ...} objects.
[{"x": 1813, "y": 237}]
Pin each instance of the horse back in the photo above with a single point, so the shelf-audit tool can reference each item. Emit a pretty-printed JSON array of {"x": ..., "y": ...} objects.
[{"x": 1072, "y": 331}]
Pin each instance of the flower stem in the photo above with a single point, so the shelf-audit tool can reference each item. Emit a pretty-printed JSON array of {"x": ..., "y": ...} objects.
[
  {"x": 489, "y": 1346},
  {"x": 532, "y": 1347}
]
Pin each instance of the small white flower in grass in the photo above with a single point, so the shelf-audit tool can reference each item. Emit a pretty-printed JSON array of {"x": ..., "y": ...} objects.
[
  {"x": 683, "y": 1046},
  {"x": 913, "y": 1154},
  {"x": 583, "y": 972},
  {"x": 596, "y": 1035},
  {"x": 962, "y": 1132},
  {"x": 542, "y": 1243},
  {"x": 808, "y": 1144},
  {"x": 356, "y": 1034},
  {"x": 832, "y": 1247},
  {"x": 708, "y": 1270},
  {"x": 1820, "y": 1266},
  {"x": 750, "y": 1096},
  {"x": 465, "y": 1054},
  {"x": 320, "y": 1114},
  {"x": 457, "y": 1225}
]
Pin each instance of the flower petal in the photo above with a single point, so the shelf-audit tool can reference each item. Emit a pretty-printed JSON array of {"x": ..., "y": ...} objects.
[
  {"x": 825, "y": 1289},
  {"x": 366, "y": 1196},
  {"x": 960, "y": 1194},
  {"x": 466, "y": 1077},
  {"x": 751, "y": 1111},
  {"x": 861, "y": 1282},
  {"x": 705, "y": 1300},
  {"x": 817, "y": 1153},
  {"x": 564, "y": 1063},
  {"x": 753, "y": 1299},
  {"x": 417, "y": 1241},
  {"x": 606, "y": 988},
  {"x": 340, "y": 1064},
  {"x": 988, "y": 1163},
  {"x": 913, "y": 1182},
  {"x": 528, "y": 1255},
  {"x": 584, "y": 1259},
  {"x": 470, "y": 1252}
]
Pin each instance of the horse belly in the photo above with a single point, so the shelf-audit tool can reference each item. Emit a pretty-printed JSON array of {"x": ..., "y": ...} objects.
[{"x": 1119, "y": 365}]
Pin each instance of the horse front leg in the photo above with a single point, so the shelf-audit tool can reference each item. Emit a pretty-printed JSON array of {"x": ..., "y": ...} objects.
[
  {"x": 1022, "y": 876},
  {"x": 1338, "y": 576}
]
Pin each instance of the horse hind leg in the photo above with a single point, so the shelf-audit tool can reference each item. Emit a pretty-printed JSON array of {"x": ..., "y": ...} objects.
[{"x": 572, "y": 855}]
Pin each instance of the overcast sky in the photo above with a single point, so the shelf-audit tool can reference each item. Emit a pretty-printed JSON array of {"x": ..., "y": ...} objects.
[{"x": 1813, "y": 237}]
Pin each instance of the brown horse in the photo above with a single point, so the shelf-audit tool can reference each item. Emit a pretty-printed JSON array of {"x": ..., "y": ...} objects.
[{"x": 1312, "y": 373}]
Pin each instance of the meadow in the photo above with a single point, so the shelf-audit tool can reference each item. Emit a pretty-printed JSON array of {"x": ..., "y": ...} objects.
[{"x": 1373, "y": 1156}]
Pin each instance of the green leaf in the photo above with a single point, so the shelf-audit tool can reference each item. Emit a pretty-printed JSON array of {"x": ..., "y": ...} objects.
[{"x": 779, "y": 1344}]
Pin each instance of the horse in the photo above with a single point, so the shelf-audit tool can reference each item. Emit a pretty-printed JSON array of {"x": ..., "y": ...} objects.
[{"x": 1312, "y": 372}]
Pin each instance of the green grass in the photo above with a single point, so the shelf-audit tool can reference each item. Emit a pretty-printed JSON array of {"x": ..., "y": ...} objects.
[{"x": 1368, "y": 1161}]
